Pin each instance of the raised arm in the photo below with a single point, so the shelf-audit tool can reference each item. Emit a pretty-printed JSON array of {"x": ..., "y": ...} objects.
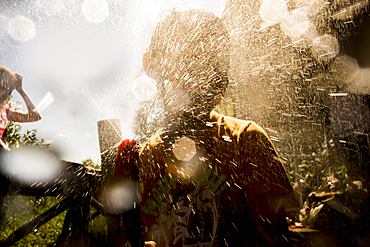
[
  {"x": 32, "y": 114},
  {"x": 4, "y": 145}
]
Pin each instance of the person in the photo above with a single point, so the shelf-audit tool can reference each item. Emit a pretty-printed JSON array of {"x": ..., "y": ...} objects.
[
  {"x": 8, "y": 82},
  {"x": 205, "y": 179}
]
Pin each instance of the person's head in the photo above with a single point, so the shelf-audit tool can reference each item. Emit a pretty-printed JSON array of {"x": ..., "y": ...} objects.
[
  {"x": 188, "y": 57},
  {"x": 7, "y": 83}
]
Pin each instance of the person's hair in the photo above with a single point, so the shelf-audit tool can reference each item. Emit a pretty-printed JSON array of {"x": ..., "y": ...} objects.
[
  {"x": 189, "y": 44},
  {"x": 7, "y": 83}
]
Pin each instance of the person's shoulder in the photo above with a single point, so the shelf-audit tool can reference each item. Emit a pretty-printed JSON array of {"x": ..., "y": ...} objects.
[
  {"x": 235, "y": 125},
  {"x": 151, "y": 143}
]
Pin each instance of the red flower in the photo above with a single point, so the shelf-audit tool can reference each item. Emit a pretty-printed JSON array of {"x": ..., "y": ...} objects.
[{"x": 126, "y": 159}]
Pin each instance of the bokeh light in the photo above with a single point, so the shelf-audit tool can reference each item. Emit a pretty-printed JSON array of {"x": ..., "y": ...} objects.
[
  {"x": 184, "y": 149},
  {"x": 95, "y": 10},
  {"x": 298, "y": 27},
  {"x": 22, "y": 29},
  {"x": 361, "y": 83},
  {"x": 347, "y": 67},
  {"x": 29, "y": 165},
  {"x": 120, "y": 196},
  {"x": 325, "y": 47},
  {"x": 273, "y": 11},
  {"x": 307, "y": 35},
  {"x": 144, "y": 88},
  {"x": 292, "y": 22}
]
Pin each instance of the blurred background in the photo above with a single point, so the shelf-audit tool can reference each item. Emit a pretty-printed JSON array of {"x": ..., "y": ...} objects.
[{"x": 79, "y": 60}]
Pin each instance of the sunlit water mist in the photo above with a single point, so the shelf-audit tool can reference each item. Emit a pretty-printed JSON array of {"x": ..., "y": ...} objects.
[
  {"x": 45, "y": 102},
  {"x": 30, "y": 165}
]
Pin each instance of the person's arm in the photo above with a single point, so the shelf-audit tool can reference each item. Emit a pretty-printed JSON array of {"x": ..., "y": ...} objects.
[
  {"x": 265, "y": 183},
  {"x": 32, "y": 114}
]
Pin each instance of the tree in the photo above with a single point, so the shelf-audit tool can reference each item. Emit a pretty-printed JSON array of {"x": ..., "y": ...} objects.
[
  {"x": 89, "y": 163},
  {"x": 16, "y": 139}
]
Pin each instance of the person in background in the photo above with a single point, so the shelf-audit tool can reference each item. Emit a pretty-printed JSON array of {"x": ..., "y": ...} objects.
[
  {"x": 205, "y": 179},
  {"x": 8, "y": 82}
]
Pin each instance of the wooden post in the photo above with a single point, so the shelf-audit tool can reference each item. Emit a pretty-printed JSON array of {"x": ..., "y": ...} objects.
[
  {"x": 110, "y": 135},
  {"x": 109, "y": 132}
]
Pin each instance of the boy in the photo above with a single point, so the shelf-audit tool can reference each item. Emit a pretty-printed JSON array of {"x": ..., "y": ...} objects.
[{"x": 206, "y": 179}]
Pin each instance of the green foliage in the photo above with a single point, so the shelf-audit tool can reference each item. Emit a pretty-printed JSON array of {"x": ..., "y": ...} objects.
[
  {"x": 16, "y": 139},
  {"x": 19, "y": 210},
  {"x": 90, "y": 163}
]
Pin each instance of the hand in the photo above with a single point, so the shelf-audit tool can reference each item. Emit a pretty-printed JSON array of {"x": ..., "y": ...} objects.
[
  {"x": 4, "y": 145},
  {"x": 18, "y": 83}
]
